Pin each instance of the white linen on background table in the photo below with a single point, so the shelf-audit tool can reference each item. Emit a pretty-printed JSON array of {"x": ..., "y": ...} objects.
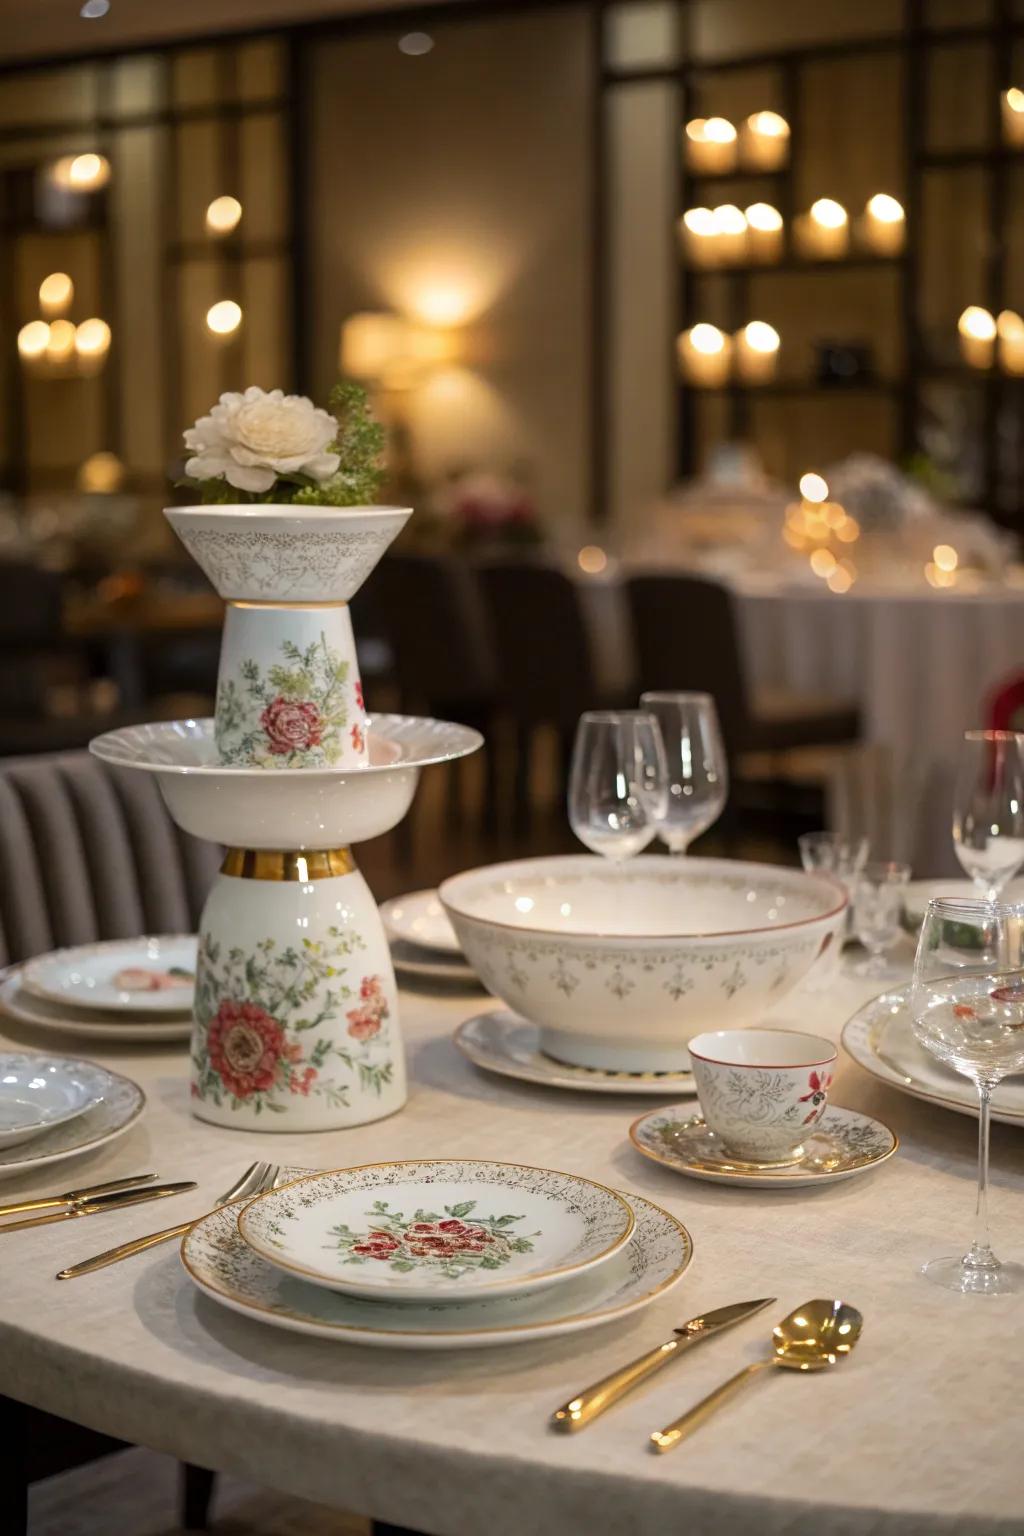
[{"x": 917, "y": 1434}]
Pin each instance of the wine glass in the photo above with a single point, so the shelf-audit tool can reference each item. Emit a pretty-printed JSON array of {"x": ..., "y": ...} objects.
[
  {"x": 879, "y": 891},
  {"x": 988, "y": 809},
  {"x": 967, "y": 1008},
  {"x": 831, "y": 853},
  {"x": 698, "y": 774},
  {"x": 618, "y": 783}
]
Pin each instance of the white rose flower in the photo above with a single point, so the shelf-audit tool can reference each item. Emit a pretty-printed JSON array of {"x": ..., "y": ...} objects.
[{"x": 251, "y": 439}]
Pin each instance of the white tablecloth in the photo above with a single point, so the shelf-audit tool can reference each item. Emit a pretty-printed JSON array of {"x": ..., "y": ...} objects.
[
  {"x": 917, "y": 1434},
  {"x": 920, "y": 667}
]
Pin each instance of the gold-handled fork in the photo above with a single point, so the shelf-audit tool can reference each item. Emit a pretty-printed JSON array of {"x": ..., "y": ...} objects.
[{"x": 256, "y": 1178}]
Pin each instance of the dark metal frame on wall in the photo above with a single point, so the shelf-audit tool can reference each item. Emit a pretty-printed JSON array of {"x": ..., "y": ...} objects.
[{"x": 1002, "y": 394}]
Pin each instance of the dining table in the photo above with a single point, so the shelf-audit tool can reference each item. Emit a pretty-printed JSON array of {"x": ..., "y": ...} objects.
[{"x": 917, "y": 1433}]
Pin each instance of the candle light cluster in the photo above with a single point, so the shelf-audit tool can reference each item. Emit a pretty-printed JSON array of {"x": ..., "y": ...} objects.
[
  {"x": 986, "y": 338},
  {"x": 824, "y": 531},
  {"x": 708, "y": 357},
  {"x": 713, "y": 146},
  {"x": 728, "y": 235}
]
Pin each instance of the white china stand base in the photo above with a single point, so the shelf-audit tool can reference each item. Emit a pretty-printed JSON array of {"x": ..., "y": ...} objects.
[{"x": 296, "y": 1005}]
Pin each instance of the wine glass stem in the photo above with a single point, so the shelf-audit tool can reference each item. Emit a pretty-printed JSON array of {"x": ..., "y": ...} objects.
[{"x": 981, "y": 1255}]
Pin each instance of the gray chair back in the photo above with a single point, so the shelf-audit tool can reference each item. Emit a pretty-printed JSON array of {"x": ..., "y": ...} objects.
[{"x": 88, "y": 853}]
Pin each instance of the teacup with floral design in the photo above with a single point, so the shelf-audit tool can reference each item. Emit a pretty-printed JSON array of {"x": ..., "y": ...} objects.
[{"x": 762, "y": 1090}]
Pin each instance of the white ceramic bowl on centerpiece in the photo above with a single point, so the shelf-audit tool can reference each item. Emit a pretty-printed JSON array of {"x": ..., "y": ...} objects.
[{"x": 622, "y": 964}]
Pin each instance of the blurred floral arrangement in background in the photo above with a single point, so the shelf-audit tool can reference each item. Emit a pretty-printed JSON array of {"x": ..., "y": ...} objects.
[{"x": 477, "y": 510}]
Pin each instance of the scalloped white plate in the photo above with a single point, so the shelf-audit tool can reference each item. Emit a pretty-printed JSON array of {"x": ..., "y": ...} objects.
[{"x": 83, "y": 976}]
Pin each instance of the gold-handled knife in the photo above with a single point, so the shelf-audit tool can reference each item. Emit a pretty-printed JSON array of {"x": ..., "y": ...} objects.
[
  {"x": 113, "y": 1201},
  {"x": 587, "y": 1405},
  {"x": 47, "y": 1202}
]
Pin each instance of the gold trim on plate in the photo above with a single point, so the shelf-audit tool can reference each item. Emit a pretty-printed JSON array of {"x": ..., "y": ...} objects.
[{"x": 281, "y": 864}]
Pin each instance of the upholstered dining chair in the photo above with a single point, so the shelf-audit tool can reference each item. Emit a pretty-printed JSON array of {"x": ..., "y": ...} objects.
[{"x": 86, "y": 853}]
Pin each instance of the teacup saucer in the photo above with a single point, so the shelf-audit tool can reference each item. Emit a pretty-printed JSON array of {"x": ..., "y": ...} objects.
[
  {"x": 506, "y": 1043},
  {"x": 843, "y": 1144}
]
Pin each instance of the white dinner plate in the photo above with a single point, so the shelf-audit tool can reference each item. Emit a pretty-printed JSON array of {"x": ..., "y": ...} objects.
[
  {"x": 119, "y": 1105},
  {"x": 441, "y": 1230},
  {"x": 148, "y": 975},
  {"x": 228, "y": 1270},
  {"x": 59, "y": 1019},
  {"x": 505, "y": 1043},
  {"x": 426, "y": 965},
  {"x": 842, "y": 1145},
  {"x": 38, "y": 1092},
  {"x": 419, "y": 918},
  {"x": 880, "y": 1038}
]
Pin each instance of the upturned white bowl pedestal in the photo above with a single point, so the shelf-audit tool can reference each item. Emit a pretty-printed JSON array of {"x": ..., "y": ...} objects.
[{"x": 296, "y": 1014}]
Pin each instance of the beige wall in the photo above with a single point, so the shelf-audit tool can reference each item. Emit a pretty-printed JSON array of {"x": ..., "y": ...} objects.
[{"x": 464, "y": 176}]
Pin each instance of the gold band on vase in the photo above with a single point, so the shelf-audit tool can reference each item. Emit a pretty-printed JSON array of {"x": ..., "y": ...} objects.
[
  {"x": 282, "y": 864},
  {"x": 254, "y": 602}
]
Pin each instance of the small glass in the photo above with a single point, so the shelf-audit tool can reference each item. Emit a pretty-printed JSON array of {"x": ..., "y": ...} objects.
[
  {"x": 618, "y": 782},
  {"x": 698, "y": 773},
  {"x": 988, "y": 809},
  {"x": 879, "y": 891},
  {"x": 830, "y": 853},
  {"x": 967, "y": 1008}
]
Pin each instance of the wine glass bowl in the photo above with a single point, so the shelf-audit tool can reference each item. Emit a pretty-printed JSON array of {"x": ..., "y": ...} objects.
[
  {"x": 988, "y": 809},
  {"x": 698, "y": 772},
  {"x": 878, "y": 894},
  {"x": 618, "y": 787},
  {"x": 967, "y": 1009}
]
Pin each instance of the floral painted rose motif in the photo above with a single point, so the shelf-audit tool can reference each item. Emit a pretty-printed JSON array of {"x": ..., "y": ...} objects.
[
  {"x": 429, "y": 1241},
  {"x": 359, "y": 695},
  {"x": 358, "y": 738},
  {"x": 245, "y": 1046},
  {"x": 291, "y": 725},
  {"x": 365, "y": 1021},
  {"x": 818, "y": 1085}
]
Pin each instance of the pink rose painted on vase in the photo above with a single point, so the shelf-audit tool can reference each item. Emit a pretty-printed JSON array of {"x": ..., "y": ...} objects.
[
  {"x": 291, "y": 725},
  {"x": 245, "y": 1046},
  {"x": 365, "y": 1021}
]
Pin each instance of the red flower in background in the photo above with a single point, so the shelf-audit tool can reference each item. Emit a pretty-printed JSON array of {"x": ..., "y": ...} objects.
[
  {"x": 245, "y": 1046},
  {"x": 291, "y": 726}
]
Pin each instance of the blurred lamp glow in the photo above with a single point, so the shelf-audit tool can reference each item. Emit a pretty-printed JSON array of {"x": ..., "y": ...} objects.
[
  {"x": 222, "y": 215},
  {"x": 763, "y": 216},
  {"x": 92, "y": 10},
  {"x": 33, "y": 338},
  {"x": 224, "y": 317},
  {"x": 761, "y": 337},
  {"x": 415, "y": 44},
  {"x": 700, "y": 221},
  {"x": 977, "y": 322},
  {"x": 771, "y": 124},
  {"x": 813, "y": 487},
  {"x": 707, "y": 339},
  {"x": 101, "y": 474},
  {"x": 828, "y": 213},
  {"x": 56, "y": 293},
  {"x": 945, "y": 557},
  {"x": 592, "y": 559},
  {"x": 885, "y": 208},
  {"x": 61, "y": 343}
]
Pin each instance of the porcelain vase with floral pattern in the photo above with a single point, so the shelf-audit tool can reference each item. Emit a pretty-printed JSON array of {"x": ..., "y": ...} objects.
[{"x": 296, "y": 1018}]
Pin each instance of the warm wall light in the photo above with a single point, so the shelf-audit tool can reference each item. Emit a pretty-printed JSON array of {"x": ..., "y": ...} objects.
[
  {"x": 101, "y": 474},
  {"x": 33, "y": 339},
  {"x": 757, "y": 352},
  {"x": 56, "y": 293},
  {"x": 415, "y": 44},
  {"x": 224, "y": 317},
  {"x": 704, "y": 355},
  {"x": 883, "y": 226},
  {"x": 60, "y": 345},
  {"x": 945, "y": 557},
  {"x": 764, "y": 141},
  {"x": 824, "y": 231},
  {"x": 81, "y": 173},
  {"x": 1010, "y": 341},
  {"x": 222, "y": 215},
  {"x": 389, "y": 350},
  {"x": 710, "y": 145},
  {"x": 698, "y": 229},
  {"x": 977, "y": 336},
  {"x": 764, "y": 232},
  {"x": 1012, "y": 111},
  {"x": 92, "y": 343},
  {"x": 592, "y": 559}
]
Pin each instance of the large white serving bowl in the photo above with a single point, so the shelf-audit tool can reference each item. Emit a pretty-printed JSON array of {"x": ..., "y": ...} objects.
[
  {"x": 621, "y": 964},
  {"x": 290, "y": 808},
  {"x": 286, "y": 553}
]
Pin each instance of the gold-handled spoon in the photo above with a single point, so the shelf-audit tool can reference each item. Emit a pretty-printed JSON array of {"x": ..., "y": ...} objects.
[{"x": 811, "y": 1338}]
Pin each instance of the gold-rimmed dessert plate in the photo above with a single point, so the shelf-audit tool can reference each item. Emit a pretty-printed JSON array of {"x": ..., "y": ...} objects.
[
  {"x": 843, "y": 1144},
  {"x": 231, "y": 1273},
  {"x": 438, "y": 1231},
  {"x": 154, "y": 974}
]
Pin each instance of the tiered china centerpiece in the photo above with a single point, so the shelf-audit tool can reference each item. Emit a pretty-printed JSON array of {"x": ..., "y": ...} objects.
[{"x": 296, "y": 1012}]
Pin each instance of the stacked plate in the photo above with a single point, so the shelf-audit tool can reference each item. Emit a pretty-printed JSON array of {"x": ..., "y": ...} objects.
[
  {"x": 423, "y": 942},
  {"x": 52, "y": 1107},
  {"x": 448, "y": 1254},
  {"x": 129, "y": 990}
]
